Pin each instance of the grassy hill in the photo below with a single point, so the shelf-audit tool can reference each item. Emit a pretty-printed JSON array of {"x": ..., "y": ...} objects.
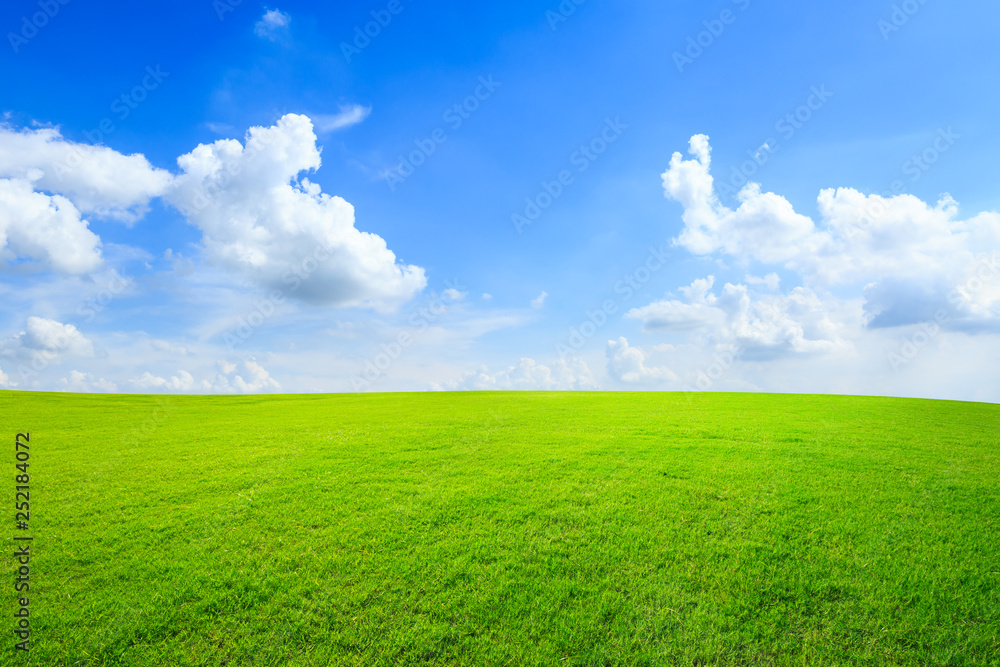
[{"x": 507, "y": 529}]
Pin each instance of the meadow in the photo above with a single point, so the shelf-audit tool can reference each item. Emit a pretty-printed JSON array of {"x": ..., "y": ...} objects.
[{"x": 506, "y": 529}]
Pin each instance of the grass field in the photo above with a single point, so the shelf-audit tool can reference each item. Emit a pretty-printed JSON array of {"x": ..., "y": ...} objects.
[{"x": 507, "y": 529}]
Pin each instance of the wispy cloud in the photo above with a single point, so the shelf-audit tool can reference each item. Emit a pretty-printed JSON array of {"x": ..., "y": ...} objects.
[
  {"x": 348, "y": 116},
  {"x": 220, "y": 128},
  {"x": 270, "y": 25}
]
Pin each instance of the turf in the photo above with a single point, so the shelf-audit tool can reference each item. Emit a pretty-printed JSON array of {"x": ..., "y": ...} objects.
[{"x": 508, "y": 529}]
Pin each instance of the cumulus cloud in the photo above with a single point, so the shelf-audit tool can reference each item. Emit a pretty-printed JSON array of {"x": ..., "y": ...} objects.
[
  {"x": 263, "y": 222},
  {"x": 628, "y": 364},
  {"x": 46, "y": 229},
  {"x": 260, "y": 217},
  {"x": 764, "y": 227},
  {"x": 47, "y": 185},
  {"x": 906, "y": 252},
  {"x": 528, "y": 375},
  {"x": 246, "y": 377},
  {"x": 698, "y": 311},
  {"x": 97, "y": 179},
  {"x": 44, "y": 342},
  {"x": 86, "y": 382},
  {"x": 271, "y": 24},
  {"x": 348, "y": 116},
  {"x": 539, "y": 301},
  {"x": 771, "y": 281},
  {"x": 797, "y": 323},
  {"x": 181, "y": 382},
  {"x": 5, "y": 381}
]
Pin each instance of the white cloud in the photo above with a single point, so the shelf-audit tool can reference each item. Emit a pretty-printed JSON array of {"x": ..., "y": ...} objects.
[
  {"x": 45, "y": 342},
  {"x": 47, "y": 229},
  {"x": 86, "y": 382},
  {"x": 270, "y": 25},
  {"x": 251, "y": 378},
  {"x": 487, "y": 296},
  {"x": 911, "y": 256},
  {"x": 967, "y": 301},
  {"x": 539, "y": 301},
  {"x": 797, "y": 323},
  {"x": 47, "y": 185},
  {"x": 698, "y": 312},
  {"x": 452, "y": 294},
  {"x": 246, "y": 377},
  {"x": 97, "y": 179},
  {"x": 260, "y": 218},
  {"x": 628, "y": 364},
  {"x": 771, "y": 281},
  {"x": 950, "y": 366},
  {"x": 263, "y": 222},
  {"x": 220, "y": 128},
  {"x": 764, "y": 227},
  {"x": 527, "y": 375},
  {"x": 168, "y": 347},
  {"x": 182, "y": 382},
  {"x": 348, "y": 116},
  {"x": 5, "y": 379}
]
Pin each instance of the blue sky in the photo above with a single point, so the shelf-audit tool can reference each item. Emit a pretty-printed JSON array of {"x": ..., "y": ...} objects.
[{"x": 122, "y": 269}]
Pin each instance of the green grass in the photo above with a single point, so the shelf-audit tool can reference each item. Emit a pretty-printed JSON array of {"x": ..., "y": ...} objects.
[{"x": 508, "y": 529}]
